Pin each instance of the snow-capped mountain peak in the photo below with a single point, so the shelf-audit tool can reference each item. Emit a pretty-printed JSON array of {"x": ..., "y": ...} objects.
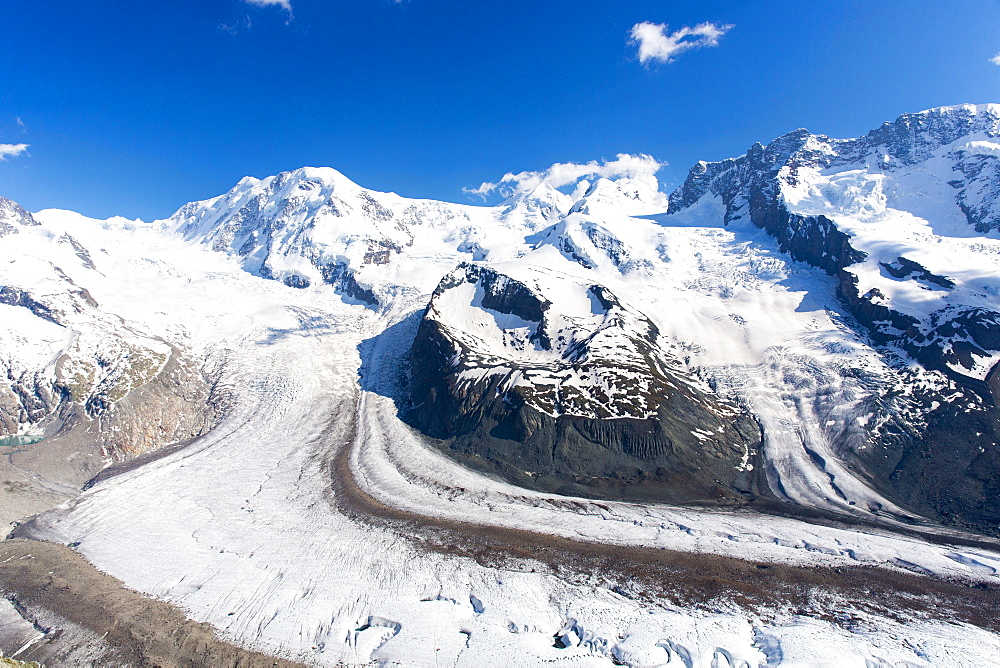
[
  {"x": 861, "y": 209},
  {"x": 315, "y": 226},
  {"x": 535, "y": 208},
  {"x": 13, "y": 217},
  {"x": 631, "y": 196}
]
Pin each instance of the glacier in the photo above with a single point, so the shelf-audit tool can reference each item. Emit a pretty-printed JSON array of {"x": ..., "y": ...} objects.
[{"x": 306, "y": 517}]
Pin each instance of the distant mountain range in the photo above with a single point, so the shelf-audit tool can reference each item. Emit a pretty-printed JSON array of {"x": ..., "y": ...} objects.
[{"x": 815, "y": 322}]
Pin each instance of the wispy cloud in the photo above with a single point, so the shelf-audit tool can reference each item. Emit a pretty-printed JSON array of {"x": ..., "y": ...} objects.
[
  {"x": 656, "y": 44},
  {"x": 21, "y": 126},
  {"x": 567, "y": 173},
  {"x": 284, "y": 4},
  {"x": 995, "y": 59},
  {"x": 234, "y": 27},
  {"x": 12, "y": 150}
]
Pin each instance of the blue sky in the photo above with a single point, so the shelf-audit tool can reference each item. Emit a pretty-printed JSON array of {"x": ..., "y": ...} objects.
[{"x": 134, "y": 108}]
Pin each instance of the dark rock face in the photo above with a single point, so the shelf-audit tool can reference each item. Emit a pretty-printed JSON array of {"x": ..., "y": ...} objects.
[
  {"x": 15, "y": 297},
  {"x": 944, "y": 462},
  {"x": 341, "y": 277},
  {"x": 500, "y": 293},
  {"x": 568, "y": 437},
  {"x": 956, "y": 335}
]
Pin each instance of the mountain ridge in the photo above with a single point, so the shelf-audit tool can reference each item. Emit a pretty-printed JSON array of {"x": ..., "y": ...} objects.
[{"x": 841, "y": 294}]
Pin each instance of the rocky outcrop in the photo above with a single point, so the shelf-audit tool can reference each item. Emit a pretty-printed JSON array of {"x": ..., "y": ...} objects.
[
  {"x": 935, "y": 449},
  {"x": 16, "y": 297},
  {"x": 125, "y": 394},
  {"x": 177, "y": 404},
  {"x": 597, "y": 411},
  {"x": 755, "y": 185},
  {"x": 903, "y": 267}
]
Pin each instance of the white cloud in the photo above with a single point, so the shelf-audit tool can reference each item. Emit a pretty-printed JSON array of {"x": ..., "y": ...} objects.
[
  {"x": 21, "y": 125},
  {"x": 236, "y": 26},
  {"x": 567, "y": 173},
  {"x": 995, "y": 59},
  {"x": 655, "y": 44},
  {"x": 12, "y": 150},
  {"x": 284, "y": 4},
  {"x": 485, "y": 189}
]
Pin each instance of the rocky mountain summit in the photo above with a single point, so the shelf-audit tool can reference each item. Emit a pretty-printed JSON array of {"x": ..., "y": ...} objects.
[{"x": 578, "y": 396}]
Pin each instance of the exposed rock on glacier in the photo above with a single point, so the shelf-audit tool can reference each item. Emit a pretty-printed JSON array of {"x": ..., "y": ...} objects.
[{"x": 580, "y": 401}]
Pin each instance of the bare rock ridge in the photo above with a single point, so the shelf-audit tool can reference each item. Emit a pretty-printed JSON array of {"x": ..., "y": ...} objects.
[{"x": 574, "y": 403}]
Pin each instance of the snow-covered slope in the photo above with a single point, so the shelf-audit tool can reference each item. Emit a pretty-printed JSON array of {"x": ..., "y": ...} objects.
[{"x": 73, "y": 359}]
